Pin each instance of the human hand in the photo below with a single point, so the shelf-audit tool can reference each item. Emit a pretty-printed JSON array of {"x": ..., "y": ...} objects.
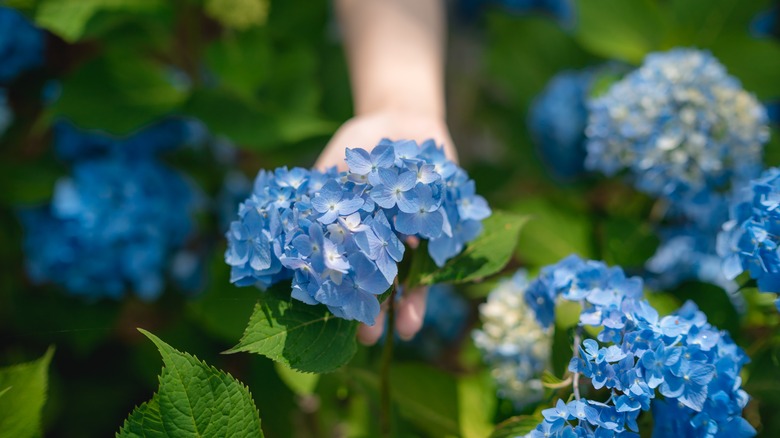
[{"x": 365, "y": 131}]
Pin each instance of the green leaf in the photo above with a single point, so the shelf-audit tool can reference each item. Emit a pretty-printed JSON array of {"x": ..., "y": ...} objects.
[
  {"x": 238, "y": 14},
  {"x": 484, "y": 256},
  {"x": 620, "y": 29},
  {"x": 427, "y": 397},
  {"x": 137, "y": 89},
  {"x": 248, "y": 123},
  {"x": 755, "y": 62},
  {"x": 303, "y": 337},
  {"x": 552, "y": 233},
  {"x": 241, "y": 60},
  {"x": 516, "y": 426},
  {"x": 23, "y": 394},
  {"x": 477, "y": 405},
  {"x": 300, "y": 383},
  {"x": 194, "y": 399},
  {"x": 68, "y": 18}
]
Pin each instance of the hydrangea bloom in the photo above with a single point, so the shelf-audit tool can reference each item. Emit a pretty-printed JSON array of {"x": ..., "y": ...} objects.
[
  {"x": 749, "y": 239},
  {"x": 557, "y": 122},
  {"x": 638, "y": 355},
  {"x": 680, "y": 124},
  {"x": 112, "y": 225},
  {"x": 514, "y": 346},
  {"x": 21, "y": 45},
  {"x": 6, "y": 114},
  {"x": 338, "y": 235}
]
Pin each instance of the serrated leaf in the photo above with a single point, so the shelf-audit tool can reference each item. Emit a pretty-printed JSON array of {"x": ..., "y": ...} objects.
[
  {"x": 299, "y": 382},
  {"x": 305, "y": 338},
  {"x": 516, "y": 426},
  {"x": 68, "y": 18},
  {"x": 194, "y": 399},
  {"x": 484, "y": 256},
  {"x": 23, "y": 389}
]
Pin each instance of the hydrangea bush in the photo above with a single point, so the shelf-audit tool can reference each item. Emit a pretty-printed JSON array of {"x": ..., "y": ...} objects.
[
  {"x": 338, "y": 235},
  {"x": 680, "y": 366},
  {"x": 115, "y": 222},
  {"x": 749, "y": 239}
]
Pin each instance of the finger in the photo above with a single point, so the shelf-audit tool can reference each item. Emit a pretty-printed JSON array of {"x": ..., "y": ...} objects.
[
  {"x": 410, "y": 313},
  {"x": 369, "y": 334}
]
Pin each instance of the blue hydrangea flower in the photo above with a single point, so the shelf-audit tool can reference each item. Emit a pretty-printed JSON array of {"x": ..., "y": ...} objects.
[
  {"x": 6, "y": 114},
  {"x": 680, "y": 125},
  {"x": 338, "y": 235},
  {"x": 638, "y": 355},
  {"x": 446, "y": 315},
  {"x": 514, "y": 346},
  {"x": 21, "y": 45},
  {"x": 749, "y": 239},
  {"x": 112, "y": 226},
  {"x": 557, "y": 122}
]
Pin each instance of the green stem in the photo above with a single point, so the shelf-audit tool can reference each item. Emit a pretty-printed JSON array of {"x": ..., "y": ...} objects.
[{"x": 384, "y": 370}]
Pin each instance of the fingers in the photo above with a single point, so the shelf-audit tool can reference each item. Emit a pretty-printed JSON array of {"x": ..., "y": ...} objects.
[
  {"x": 410, "y": 313},
  {"x": 369, "y": 334}
]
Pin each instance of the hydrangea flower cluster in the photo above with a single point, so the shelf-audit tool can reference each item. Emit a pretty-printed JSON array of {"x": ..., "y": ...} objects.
[
  {"x": 338, "y": 235},
  {"x": 21, "y": 45},
  {"x": 446, "y": 315},
  {"x": 115, "y": 222},
  {"x": 749, "y": 239},
  {"x": 557, "y": 122},
  {"x": 638, "y": 355},
  {"x": 680, "y": 124},
  {"x": 512, "y": 343}
]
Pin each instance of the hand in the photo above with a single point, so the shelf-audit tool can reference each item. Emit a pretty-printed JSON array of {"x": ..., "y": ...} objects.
[{"x": 365, "y": 131}]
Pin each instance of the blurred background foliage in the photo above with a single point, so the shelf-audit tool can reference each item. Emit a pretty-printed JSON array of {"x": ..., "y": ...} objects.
[{"x": 269, "y": 78}]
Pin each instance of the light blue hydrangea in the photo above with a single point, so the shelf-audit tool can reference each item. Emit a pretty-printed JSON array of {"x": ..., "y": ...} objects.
[
  {"x": 338, "y": 235},
  {"x": 638, "y": 355},
  {"x": 113, "y": 224},
  {"x": 749, "y": 239},
  {"x": 21, "y": 45},
  {"x": 680, "y": 125},
  {"x": 513, "y": 345}
]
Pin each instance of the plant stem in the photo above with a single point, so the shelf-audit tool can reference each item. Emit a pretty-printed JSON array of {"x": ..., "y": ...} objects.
[
  {"x": 575, "y": 381},
  {"x": 384, "y": 370}
]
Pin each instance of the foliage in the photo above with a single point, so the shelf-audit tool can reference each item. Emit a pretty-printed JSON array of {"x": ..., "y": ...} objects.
[{"x": 23, "y": 391}]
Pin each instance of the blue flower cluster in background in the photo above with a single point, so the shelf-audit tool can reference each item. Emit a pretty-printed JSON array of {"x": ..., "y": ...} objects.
[
  {"x": 21, "y": 45},
  {"x": 446, "y": 315},
  {"x": 749, "y": 239},
  {"x": 514, "y": 346},
  {"x": 636, "y": 356},
  {"x": 338, "y": 235},
  {"x": 115, "y": 223},
  {"x": 557, "y": 122},
  {"x": 680, "y": 124}
]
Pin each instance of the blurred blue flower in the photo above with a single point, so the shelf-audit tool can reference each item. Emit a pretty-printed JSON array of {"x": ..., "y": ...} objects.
[
  {"x": 557, "y": 122},
  {"x": 6, "y": 113},
  {"x": 112, "y": 225},
  {"x": 513, "y": 344},
  {"x": 21, "y": 45},
  {"x": 766, "y": 23},
  {"x": 680, "y": 125},
  {"x": 638, "y": 355},
  {"x": 446, "y": 315},
  {"x": 338, "y": 235},
  {"x": 749, "y": 239}
]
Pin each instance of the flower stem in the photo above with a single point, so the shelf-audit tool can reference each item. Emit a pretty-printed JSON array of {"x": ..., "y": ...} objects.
[
  {"x": 384, "y": 370},
  {"x": 575, "y": 381}
]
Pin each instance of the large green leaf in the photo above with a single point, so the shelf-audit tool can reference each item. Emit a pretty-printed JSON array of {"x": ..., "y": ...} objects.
[
  {"x": 553, "y": 232},
  {"x": 22, "y": 396},
  {"x": 68, "y": 18},
  {"x": 484, "y": 256},
  {"x": 516, "y": 426},
  {"x": 194, "y": 399},
  {"x": 251, "y": 125},
  {"x": 620, "y": 29},
  {"x": 303, "y": 337},
  {"x": 118, "y": 92}
]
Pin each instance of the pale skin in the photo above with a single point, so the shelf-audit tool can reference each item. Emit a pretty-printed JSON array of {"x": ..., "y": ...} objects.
[{"x": 395, "y": 51}]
